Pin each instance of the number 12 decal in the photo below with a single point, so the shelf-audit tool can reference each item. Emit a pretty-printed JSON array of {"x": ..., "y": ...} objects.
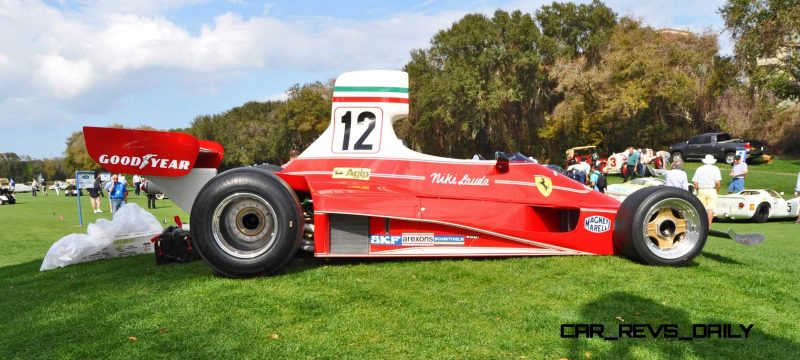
[{"x": 357, "y": 124}]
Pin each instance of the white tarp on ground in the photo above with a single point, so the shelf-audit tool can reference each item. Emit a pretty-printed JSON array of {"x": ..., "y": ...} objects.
[{"x": 128, "y": 233}]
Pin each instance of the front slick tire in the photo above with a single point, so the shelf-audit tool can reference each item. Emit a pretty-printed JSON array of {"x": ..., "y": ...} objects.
[
  {"x": 661, "y": 226},
  {"x": 246, "y": 222}
]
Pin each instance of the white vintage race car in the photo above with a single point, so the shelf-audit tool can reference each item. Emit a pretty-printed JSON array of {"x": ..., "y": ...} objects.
[
  {"x": 621, "y": 191},
  {"x": 616, "y": 162},
  {"x": 757, "y": 205}
]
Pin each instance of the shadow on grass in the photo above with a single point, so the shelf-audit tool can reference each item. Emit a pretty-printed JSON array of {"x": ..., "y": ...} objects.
[
  {"x": 621, "y": 308},
  {"x": 304, "y": 261},
  {"x": 720, "y": 258}
]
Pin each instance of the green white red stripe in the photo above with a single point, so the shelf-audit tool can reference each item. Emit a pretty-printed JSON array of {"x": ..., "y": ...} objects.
[{"x": 370, "y": 94}]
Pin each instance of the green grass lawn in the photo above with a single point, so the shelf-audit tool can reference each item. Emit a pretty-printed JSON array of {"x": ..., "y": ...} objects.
[{"x": 476, "y": 308}]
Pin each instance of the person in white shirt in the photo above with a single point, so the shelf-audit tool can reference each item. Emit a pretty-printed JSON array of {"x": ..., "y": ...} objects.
[
  {"x": 677, "y": 177},
  {"x": 706, "y": 180},
  {"x": 137, "y": 182},
  {"x": 737, "y": 175}
]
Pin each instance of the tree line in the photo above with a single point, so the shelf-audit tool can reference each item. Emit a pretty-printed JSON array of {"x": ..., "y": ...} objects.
[{"x": 567, "y": 75}]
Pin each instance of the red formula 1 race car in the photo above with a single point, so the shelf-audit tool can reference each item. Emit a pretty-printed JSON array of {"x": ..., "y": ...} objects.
[{"x": 357, "y": 191}]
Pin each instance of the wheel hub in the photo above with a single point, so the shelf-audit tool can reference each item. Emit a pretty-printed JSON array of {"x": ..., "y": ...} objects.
[
  {"x": 666, "y": 228},
  {"x": 244, "y": 225}
]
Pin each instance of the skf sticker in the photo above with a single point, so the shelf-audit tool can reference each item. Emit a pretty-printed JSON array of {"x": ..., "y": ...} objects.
[
  {"x": 544, "y": 184},
  {"x": 395, "y": 240},
  {"x": 351, "y": 173},
  {"x": 597, "y": 224}
]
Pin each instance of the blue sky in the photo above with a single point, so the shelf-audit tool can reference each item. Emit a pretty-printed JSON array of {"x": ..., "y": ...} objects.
[{"x": 65, "y": 64}]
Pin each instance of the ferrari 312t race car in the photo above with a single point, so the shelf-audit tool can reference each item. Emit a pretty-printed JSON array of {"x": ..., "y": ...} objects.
[{"x": 357, "y": 191}]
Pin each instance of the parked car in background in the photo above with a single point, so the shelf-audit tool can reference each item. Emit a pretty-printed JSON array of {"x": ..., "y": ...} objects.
[
  {"x": 20, "y": 188},
  {"x": 758, "y": 205},
  {"x": 72, "y": 189},
  {"x": 719, "y": 145},
  {"x": 62, "y": 185},
  {"x": 621, "y": 191},
  {"x": 586, "y": 154}
]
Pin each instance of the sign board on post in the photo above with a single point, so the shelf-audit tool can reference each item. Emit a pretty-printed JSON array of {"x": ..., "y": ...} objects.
[
  {"x": 743, "y": 153},
  {"x": 83, "y": 180}
]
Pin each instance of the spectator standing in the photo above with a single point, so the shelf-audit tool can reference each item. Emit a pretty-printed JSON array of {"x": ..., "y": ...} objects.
[
  {"x": 137, "y": 182},
  {"x": 118, "y": 193},
  {"x": 581, "y": 169},
  {"x": 151, "y": 197},
  {"x": 737, "y": 174},
  {"x": 55, "y": 187},
  {"x": 95, "y": 193},
  {"x": 706, "y": 180},
  {"x": 34, "y": 187},
  {"x": 594, "y": 178},
  {"x": 630, "y": 164},
  {"x": 640, "y": 165},
  {"x": 676, "y": 176},
  {"x": 44, "y": 186}
]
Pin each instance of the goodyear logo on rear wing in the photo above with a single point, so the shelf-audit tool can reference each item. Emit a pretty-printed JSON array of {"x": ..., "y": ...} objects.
[{"x": 351, "y": 173}]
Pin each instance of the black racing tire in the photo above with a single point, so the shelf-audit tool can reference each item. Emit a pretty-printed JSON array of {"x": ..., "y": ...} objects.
[
  {"x": 762, "y": 213},
  {"x": 677, "y": 156},
  {"x": 12, "y": 200},
  {"x": 661, "y": 225},
  {"x": 247, "y": 222},
  {"x": 729, "y": 157}
]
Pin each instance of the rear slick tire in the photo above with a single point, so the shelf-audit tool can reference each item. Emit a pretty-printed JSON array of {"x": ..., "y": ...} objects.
[
  {"x": 246, "y": 222},
  {"x": 661, "y": 226}
]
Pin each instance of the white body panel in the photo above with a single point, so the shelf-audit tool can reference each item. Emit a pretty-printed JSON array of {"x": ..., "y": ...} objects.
[
  {"x": 183, "y": 190},
  {"x": 743, "y": 205}
]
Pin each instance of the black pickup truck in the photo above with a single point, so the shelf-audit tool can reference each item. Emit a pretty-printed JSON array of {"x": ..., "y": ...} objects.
[{"x": 720, "y": 145}]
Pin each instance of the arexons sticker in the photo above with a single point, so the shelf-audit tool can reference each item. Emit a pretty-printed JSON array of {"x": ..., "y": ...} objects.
[
  {"x": 597, "y": 224},
  {"x": 412, "y": 239}
]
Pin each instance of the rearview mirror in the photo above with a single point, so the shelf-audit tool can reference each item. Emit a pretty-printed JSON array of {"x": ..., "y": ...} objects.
[{"x": 502, "y": 164}]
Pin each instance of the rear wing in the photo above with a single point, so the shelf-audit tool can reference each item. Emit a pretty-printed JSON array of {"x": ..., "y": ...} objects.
[
  {"x": 150, "y": 153},
  {"x": 177, "y": 163}
]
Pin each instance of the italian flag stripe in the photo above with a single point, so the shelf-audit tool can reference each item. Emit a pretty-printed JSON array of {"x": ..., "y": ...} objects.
[
  {"x": 370, "y": 99},
  {"x": 371, "y": 89}
]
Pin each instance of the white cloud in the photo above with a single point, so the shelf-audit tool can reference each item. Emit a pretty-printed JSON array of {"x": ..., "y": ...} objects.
[
  {"x": 75, "y": 58},
  {"x": 65, "y": 78},
  {"x": 277, "y": 97}
]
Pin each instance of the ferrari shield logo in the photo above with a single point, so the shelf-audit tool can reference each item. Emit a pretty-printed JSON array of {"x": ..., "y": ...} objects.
[{"x": 544, "y": 184}]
